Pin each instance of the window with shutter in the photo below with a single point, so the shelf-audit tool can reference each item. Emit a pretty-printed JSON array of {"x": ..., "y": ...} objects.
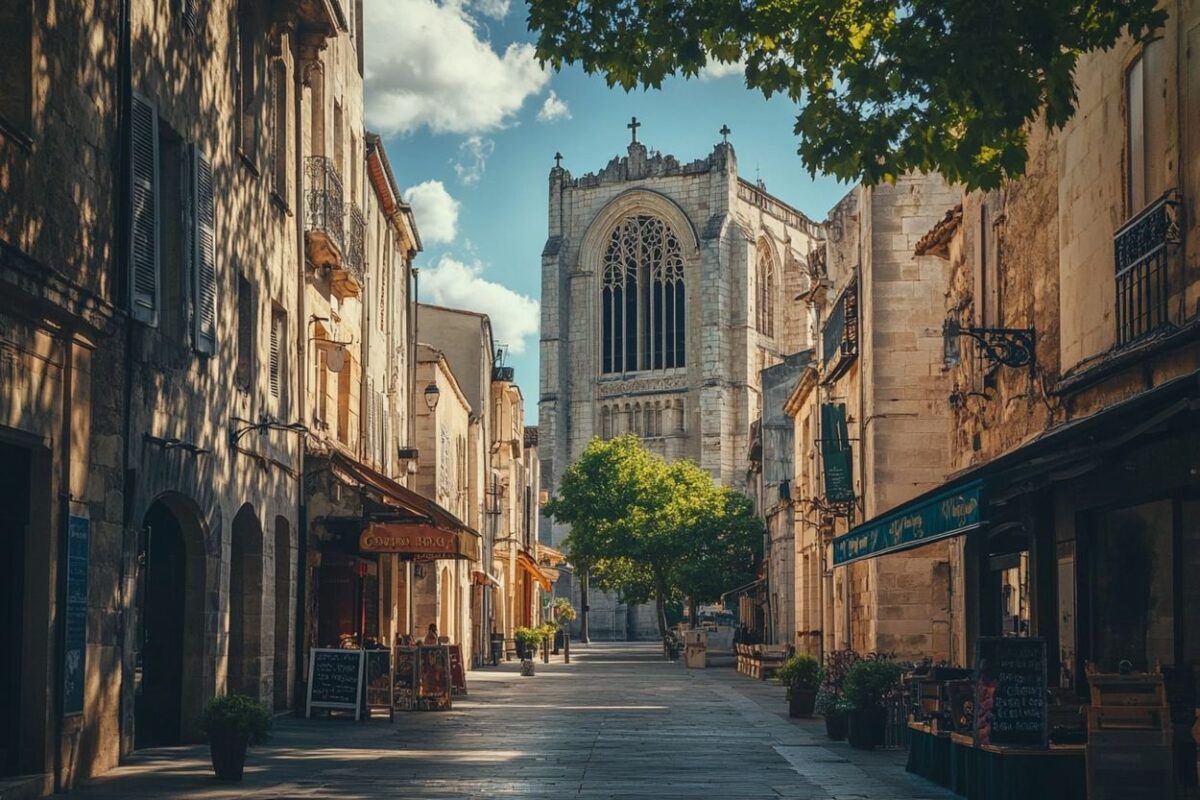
[
  {"x": 245, "y": 333},
  {"x": 144, "y": 233},
  {"x": 279, "y": 113},
  {"x": 369, "y": 398},
  {"x": 189, "y": 14},
  {"x": 386, "y": 443},
  {"x": 204, "y": 255},
  {"x": 278, "y": 334}
]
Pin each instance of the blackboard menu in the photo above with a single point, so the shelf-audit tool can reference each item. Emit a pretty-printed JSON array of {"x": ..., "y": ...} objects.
[
  {"x": 405, "y": 677},
  {"x": 379, "y": 679},
  {"x": 458, "y": 676},
  {"x": 75, "y": 649},
  {"x": 335, "y": 679},
  {"x": 1010, "y": 692}
]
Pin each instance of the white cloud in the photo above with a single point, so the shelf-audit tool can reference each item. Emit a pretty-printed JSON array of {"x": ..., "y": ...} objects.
[
  {"x": 716, "y": 70},
  {"x": 427, "y": 65},
  {"x": 435, "y": 210},
  {"x": 515, "y": 317},
  {"x": 554, "y": 109},
  {"x": 471, "y": 163},
  {"x": 496, "y": 9}
]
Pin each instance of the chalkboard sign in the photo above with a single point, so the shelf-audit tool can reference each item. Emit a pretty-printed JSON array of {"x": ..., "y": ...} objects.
[
  {"x": 458, "y": 676},
  {"x": 1010, "y": 692},
  {"x": 405, "y": 678},
  {"x": 75, "y": 617},
  {"x": 379, "y": 679},
  {"x": 433, "y": 678},
  {"x": 335, "y": 679}
]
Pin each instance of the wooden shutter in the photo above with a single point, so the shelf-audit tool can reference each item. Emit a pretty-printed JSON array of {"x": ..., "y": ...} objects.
[
  {"x": 204, "y": 255},
  {"x": 188, "y": 14},
  {"x": 276, "y": 362},
  {"x": 386, "y": 445},
  {"x": 369, "y": 396},
  {"x": 144, "y": 240}
]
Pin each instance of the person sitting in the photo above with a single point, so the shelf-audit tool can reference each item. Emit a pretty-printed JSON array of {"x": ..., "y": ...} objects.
[{"x": 431, "y": 635}]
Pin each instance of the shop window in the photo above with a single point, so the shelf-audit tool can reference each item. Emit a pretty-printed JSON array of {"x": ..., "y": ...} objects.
[{"x": 1133, "y": 603}]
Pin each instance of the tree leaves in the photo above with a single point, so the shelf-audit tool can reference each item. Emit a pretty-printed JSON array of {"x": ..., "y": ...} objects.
[
  {"x": 884, "y": 87},
  {"x": 647, "y": 529}
]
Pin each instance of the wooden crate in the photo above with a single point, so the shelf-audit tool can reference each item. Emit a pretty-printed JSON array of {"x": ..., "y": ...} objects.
[
  {"x": 1129, "y": 725},
  {"x": 1142, "y": 689}
]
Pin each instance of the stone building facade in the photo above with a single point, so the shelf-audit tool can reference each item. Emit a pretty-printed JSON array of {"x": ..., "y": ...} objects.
[
  {"x": 871, "y": 428},
  {"x": 666, "y": 288},
  {"x": 1084, "y": 453}
]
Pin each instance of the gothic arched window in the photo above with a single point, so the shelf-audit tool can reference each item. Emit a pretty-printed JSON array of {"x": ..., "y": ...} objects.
[
  {"x": 642, "y": 298},
  {"x": 766, "y": 289}
]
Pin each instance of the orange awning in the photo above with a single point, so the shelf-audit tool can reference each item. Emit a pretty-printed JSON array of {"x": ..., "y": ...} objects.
[{"x": 526, "y": 562}]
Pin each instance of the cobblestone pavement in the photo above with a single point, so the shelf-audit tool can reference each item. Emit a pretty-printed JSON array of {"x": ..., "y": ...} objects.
[{"x": 616, "y": 723}]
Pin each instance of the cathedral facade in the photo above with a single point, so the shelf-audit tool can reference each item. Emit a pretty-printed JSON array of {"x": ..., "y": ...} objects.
[{"x": 666, "y": 288}]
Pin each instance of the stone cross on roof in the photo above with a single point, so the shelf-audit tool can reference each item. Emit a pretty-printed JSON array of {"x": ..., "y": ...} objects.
[
  {"x": 633, "y": 126},
  {"x": 725, "y": 131},
  {"x": 558, "y": 159}
]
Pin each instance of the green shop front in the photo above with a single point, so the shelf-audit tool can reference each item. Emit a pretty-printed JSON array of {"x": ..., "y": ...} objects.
[{"x": 1087, "y": 541}]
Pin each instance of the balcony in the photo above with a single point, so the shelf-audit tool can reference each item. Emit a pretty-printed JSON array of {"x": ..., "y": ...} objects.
[
  {"x": 839, "y": 337},
  {"x": 350, "y": 279},
  {"x": 324, "y": 215},
  {"x": 1146, "y": 256}
]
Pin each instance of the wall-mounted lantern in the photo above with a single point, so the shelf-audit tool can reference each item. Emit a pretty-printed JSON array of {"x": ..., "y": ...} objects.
[{"x": 432, "y": 395}]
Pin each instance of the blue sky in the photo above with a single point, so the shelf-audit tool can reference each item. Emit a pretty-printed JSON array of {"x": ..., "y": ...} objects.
[{"x": 472, "y": 124}]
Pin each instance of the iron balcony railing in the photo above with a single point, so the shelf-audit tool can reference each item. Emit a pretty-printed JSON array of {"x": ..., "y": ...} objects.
[
  {"x": 356, "y": 247},
  {"x": 1144, "y": 251},
  {"x": 839, "y": 337},
  {"x": 323, "y": 209}
]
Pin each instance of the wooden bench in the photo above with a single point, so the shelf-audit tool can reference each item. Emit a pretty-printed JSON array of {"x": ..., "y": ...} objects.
[{"x": 760, "y": 661}]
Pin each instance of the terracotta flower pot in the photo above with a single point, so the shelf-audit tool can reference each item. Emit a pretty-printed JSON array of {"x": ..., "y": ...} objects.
[
  {"x": 837, "y": 725},
  {"x": 801, "y": 703},
  {"x": 228, "y": 755}
]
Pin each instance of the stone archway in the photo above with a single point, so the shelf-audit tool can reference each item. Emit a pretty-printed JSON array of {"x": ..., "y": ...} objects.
[
  {"x": 171, "y": 578},
  {"x": 284, "y": 570},
  {"x": 246, "y": 674}
]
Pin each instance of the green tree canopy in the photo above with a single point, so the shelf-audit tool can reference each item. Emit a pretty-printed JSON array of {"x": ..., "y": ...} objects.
[
  {"x": 884, "y": 87},
  {"x": 648, "y": 529}
]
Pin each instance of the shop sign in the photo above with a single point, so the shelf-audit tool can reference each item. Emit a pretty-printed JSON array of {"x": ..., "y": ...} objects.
[
  {"x": 75, "y": 617},
  {"x": 406, "y": 538},
  {"x": 943, "y": 515}
]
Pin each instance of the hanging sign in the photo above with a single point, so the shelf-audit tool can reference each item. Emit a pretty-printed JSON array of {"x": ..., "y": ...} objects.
[
  {"x": 75, "y": 616},
  {"x": 1010, "y": 692},
  {"x": 837, "y": 466},
  {"x": 335, "y": 679}
]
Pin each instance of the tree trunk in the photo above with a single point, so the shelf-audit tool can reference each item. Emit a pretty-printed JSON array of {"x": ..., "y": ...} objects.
[
  {"x": 583, "y": 603},
  {"x": 660, "y": 604},
  {"x": 693, "y": 612}
]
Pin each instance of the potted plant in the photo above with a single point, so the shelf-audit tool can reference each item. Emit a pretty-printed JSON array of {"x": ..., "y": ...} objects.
[
  {"x": 527, "y": 641},
  {"x": 801, "y": 674},
  {"x": 232, "y": 722},
  {"x": 564, "y": 612},
  {"x": 868, "y": 685},
  {"x": 831, "y": 700}
]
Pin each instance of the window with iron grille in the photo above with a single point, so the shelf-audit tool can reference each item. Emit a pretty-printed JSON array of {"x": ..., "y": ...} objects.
[
  {"x": 839, "y": 337},
  {"x": 1144, "y": 251}
]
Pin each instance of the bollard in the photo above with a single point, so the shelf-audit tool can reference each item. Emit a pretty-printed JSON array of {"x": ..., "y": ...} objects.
[
  {"x": 527, "y": 667},
  {"x": 566, "y": 648}
]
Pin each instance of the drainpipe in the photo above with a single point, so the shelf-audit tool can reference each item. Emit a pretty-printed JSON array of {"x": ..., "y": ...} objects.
[{"x": 301, "y": 385}]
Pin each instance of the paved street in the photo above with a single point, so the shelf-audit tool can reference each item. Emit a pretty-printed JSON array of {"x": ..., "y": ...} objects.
[{"x": 618, "y": 722}]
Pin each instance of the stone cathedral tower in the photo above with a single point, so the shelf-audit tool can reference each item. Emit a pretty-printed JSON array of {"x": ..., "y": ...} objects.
[{"x": 666, "y": 288}]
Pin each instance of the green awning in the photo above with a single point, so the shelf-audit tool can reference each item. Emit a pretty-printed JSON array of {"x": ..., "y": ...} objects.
[{"x": 924, "y": 520}]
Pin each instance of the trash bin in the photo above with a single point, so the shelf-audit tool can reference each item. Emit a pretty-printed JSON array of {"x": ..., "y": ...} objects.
[{"x": 497, "y": 648}]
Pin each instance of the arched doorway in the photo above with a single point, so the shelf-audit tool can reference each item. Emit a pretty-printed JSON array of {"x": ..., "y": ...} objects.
[
  {"x": 283, "y": 617},
  {"x": 170, "y": 639},
  {"x": 245, "y": 605}
]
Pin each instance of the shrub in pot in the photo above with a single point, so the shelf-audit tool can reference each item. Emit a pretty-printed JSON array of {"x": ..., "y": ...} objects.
[
  {"x": 233, "y": 722},
  {"x": 868, "y": 685},
  {"x": 831, "y": 700},
  {"x": 801, "y": 674},
  {"x": 527, "y": 641}
]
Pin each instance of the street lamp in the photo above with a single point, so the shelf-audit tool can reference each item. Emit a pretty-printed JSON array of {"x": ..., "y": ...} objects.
[{"x": 432, "y": 395}]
